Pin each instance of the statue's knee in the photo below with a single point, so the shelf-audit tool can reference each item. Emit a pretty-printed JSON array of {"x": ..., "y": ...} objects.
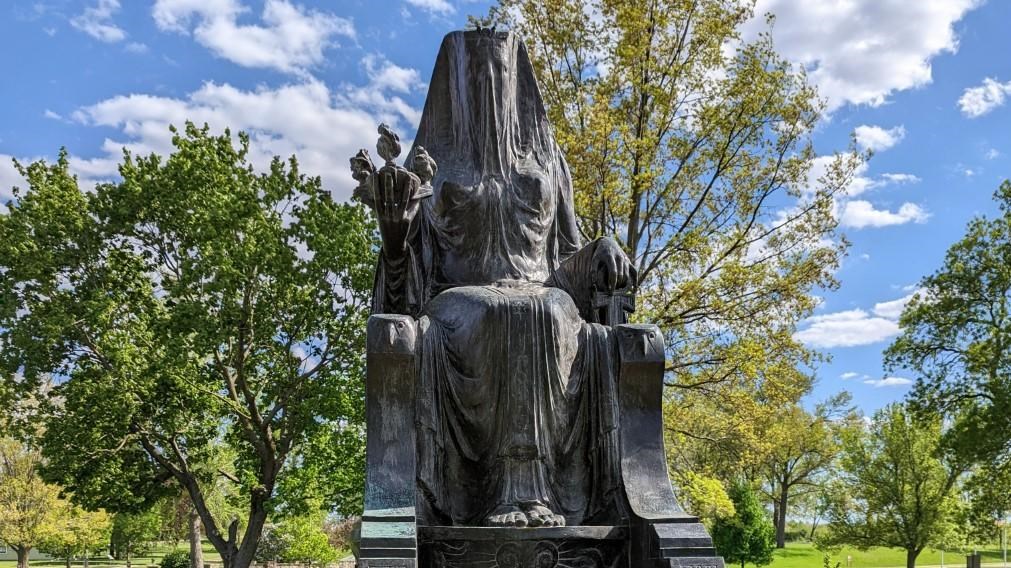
[{"x": 392, "y": 333}]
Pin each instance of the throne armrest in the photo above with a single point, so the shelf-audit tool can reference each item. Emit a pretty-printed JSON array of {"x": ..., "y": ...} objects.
[
  {"x": 388, "y": 534},
  {"x": 663, "y": 534}
]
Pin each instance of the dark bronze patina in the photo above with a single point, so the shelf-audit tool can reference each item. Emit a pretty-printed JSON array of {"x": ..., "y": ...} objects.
[{"x": 514, "y": 417}]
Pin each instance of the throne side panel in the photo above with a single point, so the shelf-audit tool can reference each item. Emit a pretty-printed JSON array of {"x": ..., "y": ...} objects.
[{"x": 388, "y": 533}]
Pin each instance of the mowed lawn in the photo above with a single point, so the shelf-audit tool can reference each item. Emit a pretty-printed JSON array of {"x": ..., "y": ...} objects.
[
  {"x": 150, "y": 558},
  {"x": 799, "y": 555}
]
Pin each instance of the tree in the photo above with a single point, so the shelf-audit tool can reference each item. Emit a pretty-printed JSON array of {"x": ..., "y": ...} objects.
[
  {"x": 901, "y": 488},
  {"x": 298, "y": 539},
  {"x": 748, "y": 536},
  {"x": 956, "y": 338},
  {"x": 133, "y": 533},
  {"x": 192, "y": 306},
  {"x": 698, "y": 159},
  {"x": 28, "y": 505},
  {"x": 77, "y": 533},
  {"x": 805, "y": 445}
]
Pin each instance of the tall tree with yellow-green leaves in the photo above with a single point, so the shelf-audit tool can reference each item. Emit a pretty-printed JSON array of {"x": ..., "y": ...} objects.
[
  {"x": 27, "y": 503},
  {"x": 691, "y": 145}
]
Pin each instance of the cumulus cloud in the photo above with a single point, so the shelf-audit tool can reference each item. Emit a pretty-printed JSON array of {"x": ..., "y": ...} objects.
[
  {"x": 859, "y": 214},
  {"x": 849, "y": 375},
  {"x": 900, "y": 179},
  {"x": 888, "y": 382},
  {"x": 9, "y": 178},
  {"x": 96, "y": 21},
  {"x": 977, "y": 101},
  {"x": 856, "y": 327},
  {"x": 386, "y": 75},
  {"x": 323, "y": 126},
  {"x": 433, "y": 6},
  {"x": 290, "y": 39},
  {"x": 846, "y": 329},
  {"x": 862, "y": 51},
  {"x": 870, "y": 137},
  {"x": 892, "y": 309}
]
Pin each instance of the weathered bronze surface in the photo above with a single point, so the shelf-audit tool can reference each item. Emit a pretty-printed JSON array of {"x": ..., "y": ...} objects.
[{"x": 514, "y": 417}]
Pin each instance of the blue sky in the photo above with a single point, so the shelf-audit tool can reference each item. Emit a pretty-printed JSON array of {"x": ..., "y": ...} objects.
[{"x": 923, "y": 82}]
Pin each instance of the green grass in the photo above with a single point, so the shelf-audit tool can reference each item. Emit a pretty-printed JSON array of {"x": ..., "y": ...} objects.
[
  {"x": 800, "y": 555},
  {"x": 153, "y": 557}
]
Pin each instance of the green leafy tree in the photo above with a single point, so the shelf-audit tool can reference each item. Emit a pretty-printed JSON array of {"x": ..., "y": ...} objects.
[
  {"x": 299, "y": 539},
  {"x": 77, "y": 533},
  {"x": 134, "y": 533},
  {"x": 956, "y": 338},
  {"x": 698, "y": 159},
  {"x": 901, "y": 488},
  {"x": 805, "y": 445},
  {"x": 747, "y": 536},
  {"x": 195, "y": 309},
  {"x": 28, "y": 505}
]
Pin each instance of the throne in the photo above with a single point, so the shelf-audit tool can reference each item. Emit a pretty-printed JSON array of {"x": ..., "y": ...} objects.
[{"x": 647, "y": 527}]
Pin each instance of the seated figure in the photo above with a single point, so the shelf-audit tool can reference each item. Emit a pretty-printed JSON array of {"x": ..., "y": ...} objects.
[{"x": 508, "y": 330}]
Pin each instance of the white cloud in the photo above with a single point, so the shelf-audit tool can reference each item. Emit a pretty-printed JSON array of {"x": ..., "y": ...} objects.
[
  {"x": 849, "y": 375},
  {"x": 888, "y": 382},
  {"x": 859, "y": 214},
  {"x": 862, "y": 51},
  {"x": 9, "y": 177},
  {"x": 323, "y": 126},
  {"x": 892, "y": 309},
  {"x": 900, "y": 179},
  {"x": 52, "y": 115},
  {"x": 977, "y": 101},
  {"x": 856, "y": 327},
  {"x": 386, "y": 75},
  {"x": 846, "y": 329},
  {"x": 291, "y": 39},
  {"x": 992, "y": 154},
  {"x": 96, "y": 21},
  {"x": 136, "y": 48},
  {"x": 870, "y": 137},
  {"x": 434, "y": 6}
]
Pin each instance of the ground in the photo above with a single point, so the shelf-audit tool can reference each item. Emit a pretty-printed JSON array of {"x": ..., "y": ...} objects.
[
  {"x": 797, "y": 555},
  {"x": 149, "y": 559}
]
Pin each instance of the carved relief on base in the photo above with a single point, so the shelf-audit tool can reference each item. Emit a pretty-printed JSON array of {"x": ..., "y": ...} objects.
[{"x": 579, "y": 553}]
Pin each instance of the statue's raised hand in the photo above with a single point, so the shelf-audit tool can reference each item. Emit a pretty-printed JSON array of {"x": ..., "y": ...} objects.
[
  {"x": 394, "y": 190},
  {"x": 611, "y": 268}
]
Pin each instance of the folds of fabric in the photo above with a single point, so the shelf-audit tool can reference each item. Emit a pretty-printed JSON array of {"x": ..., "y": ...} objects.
[{"x": 516, "y": 405}]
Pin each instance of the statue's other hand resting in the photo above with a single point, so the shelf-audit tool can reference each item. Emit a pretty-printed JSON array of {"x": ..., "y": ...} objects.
[{"x": 610, "y": 266}]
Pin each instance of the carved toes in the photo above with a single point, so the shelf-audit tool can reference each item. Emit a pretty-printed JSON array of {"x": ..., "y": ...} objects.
[{"x": 507, "y": 516}]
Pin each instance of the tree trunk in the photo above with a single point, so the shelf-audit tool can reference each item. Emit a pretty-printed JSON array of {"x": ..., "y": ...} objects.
[
  {"x": 251, "y": 538},
  {"x": 784, "y": 497},
  {"x": 23, "y": 552},
  {"x": 911, "y": 554},
  {"x": 196, "y": 548},
  {"x": 68, "y": 561},
  {"x": 128, "y": 563}
]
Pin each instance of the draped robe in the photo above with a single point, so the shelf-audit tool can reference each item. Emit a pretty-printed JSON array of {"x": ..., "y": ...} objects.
[{"x": 516, "y": 395}]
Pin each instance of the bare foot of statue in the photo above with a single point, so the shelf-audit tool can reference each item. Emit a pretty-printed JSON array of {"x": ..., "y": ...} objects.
[
  {"x": 541, "y": 516},
  {"x": 506, "y": 516}
]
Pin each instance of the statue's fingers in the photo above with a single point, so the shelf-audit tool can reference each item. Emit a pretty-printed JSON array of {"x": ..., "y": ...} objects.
[
  {"x": 622, "y": 274},
  {"x": 612, "y": 272},
  {"x": 388, "y": 191}
]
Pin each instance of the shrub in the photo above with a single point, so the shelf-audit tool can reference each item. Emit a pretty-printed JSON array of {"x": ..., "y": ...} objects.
[{"x": 176, "y": 559}]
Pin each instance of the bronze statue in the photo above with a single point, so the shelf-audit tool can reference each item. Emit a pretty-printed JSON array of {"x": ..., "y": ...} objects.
[{"x": 498, "y": 345}]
